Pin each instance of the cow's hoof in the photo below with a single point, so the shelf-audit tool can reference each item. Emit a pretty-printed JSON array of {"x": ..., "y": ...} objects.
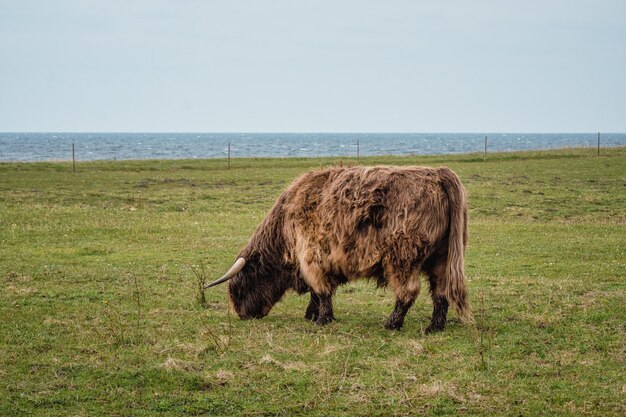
[
  {"x": 392, "y": 325},
  {"x": 434, "y": 328},
  {"x": 321, "y": 321},
  {"x": 310, "y": 316}
]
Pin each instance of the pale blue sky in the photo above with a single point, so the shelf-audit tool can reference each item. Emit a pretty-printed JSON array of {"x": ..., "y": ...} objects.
[{"x": 313, "y": 66}]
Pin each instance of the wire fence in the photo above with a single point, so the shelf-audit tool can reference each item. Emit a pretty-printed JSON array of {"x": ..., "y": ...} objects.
[{"x": 139, "y": 146}]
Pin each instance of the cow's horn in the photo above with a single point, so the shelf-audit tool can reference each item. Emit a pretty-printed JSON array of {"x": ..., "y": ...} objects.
[{"x": 237, "y": 266}]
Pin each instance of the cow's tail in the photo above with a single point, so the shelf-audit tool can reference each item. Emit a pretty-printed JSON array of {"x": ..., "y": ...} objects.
[{"x": 454, "y": 282}]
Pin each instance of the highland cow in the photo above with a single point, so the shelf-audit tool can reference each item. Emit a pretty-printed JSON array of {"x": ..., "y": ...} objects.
[{"x": 332, "y": 226}]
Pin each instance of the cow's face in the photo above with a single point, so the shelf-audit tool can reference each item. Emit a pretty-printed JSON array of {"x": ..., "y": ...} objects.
[{"x": 254, "y": 290}]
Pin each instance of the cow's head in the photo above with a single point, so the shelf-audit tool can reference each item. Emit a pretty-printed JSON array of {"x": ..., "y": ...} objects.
[{"x": 254, "y": 286}]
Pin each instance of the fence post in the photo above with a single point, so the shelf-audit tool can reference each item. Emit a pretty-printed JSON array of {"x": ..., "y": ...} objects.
[
  {"x": 73, "y": 159},
  {"x": 485, "y": 154},
  {"x": 228, "y": 154}
]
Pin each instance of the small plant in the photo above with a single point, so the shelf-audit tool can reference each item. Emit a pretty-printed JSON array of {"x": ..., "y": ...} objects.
[
  {"x": 481, "y": 334},
  {"x": 218, "y": 342},
  {"x": 114, "y": 328},
  {"x": 137, "y": 299},
  {"x": 116, "y": 325},
  {"x": 200, "y": 274}
]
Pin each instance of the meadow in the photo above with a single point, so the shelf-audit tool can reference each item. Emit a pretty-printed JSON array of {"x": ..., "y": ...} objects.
[{"x": 100, "y": 311}]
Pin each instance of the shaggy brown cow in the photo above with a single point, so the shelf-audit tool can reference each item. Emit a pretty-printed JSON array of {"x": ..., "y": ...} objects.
[{"x": 335, "y": 225}]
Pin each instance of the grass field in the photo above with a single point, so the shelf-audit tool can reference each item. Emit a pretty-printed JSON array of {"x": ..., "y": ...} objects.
[{"x": 100, "y": 311}]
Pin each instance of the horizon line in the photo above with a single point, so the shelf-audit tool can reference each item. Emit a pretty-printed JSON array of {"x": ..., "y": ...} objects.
[{"x": 311, "y": 132}]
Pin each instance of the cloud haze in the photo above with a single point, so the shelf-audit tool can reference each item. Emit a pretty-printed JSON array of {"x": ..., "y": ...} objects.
[{"x": 293, "y": 65}]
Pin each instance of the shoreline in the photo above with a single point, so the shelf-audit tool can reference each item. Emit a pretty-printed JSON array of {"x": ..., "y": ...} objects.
[{"x": 326, "y": 157}]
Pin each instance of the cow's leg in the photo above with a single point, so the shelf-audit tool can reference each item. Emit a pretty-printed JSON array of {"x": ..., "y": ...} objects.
[
  {"x": 440, "y": 302},
  {"x": 322, "y": 290},
  {"x": 325, "y": 309},
  {"x": 313, "y": 310},
  {"x": 407, "y": 288},
  {"x": 396, "y": 319},
  {"x": 440, "y": 311}
]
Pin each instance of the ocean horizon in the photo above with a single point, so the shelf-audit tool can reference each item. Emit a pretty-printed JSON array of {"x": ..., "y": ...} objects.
[{"x": 51, "y": 146}]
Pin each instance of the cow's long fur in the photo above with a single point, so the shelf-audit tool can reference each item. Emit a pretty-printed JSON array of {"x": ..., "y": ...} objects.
[{"x": 336, "y": 225}]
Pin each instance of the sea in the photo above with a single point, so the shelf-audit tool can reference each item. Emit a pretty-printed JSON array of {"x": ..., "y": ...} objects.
[{"x": 56, "y": 146}]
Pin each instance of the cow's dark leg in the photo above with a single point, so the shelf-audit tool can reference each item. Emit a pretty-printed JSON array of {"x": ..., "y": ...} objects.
[
  {"x": 440, "y": 302},
  {"x": 407, "y": 288},
  {"x": 322, "y": 287},
  {"x": 325, "y": 309},
  {"x": 440, "y": 311},
  {"x": 396, "y": 319},
  {"x": 313, "y": 310}
]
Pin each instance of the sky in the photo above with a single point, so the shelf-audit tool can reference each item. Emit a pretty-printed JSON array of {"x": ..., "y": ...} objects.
[{"x": 313, "y": 66}]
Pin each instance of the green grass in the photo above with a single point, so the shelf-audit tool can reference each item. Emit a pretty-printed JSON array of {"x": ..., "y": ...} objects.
[{"x": 99, "y": 310}]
